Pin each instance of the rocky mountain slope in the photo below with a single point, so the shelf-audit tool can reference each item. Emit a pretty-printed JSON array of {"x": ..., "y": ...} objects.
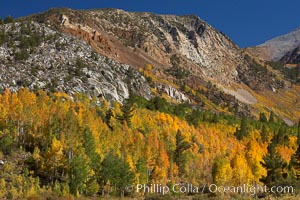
[
  {"x": 278, "y": 47},
  {"x": 161, "y": 40},
  {"x": 109, "y": 52},
  {"x": 141, "y": 38},
  {"x": 60, "y": 62}
]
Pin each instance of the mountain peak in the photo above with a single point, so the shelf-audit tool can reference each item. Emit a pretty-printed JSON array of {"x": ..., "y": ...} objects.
[{"x": 281, "y": 45}]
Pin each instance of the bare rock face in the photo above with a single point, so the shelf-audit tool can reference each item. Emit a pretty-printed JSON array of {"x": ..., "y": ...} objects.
[
  {"x": 172, "y": 92},
  {"x": 62, "y": 62}
]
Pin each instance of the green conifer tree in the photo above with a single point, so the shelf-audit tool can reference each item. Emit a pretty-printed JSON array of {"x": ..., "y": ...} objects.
[
  {"x": 263, "y": 118},
  {"x": 271, "y": 118},
  {"x": 127, "y": 112},
  {"x": 274, "y": 165},
  {"x": 295, "y": 160},
  {"x": 181, "y": 146},
  {"x": 264, "y": 133},
  {"x": 117, "y": 172},
  {"x": 243, "y": 130},
  {"x": 108, "y": 115}
]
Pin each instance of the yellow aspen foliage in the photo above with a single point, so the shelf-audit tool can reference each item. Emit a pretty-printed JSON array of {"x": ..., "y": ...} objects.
[
  {"x": 174, "y": 172},
  {"x": 3, "y": 190},
  {"x": 158, "y": 174},
  {"x": 3, "y": 112},
  {"x": 222, "y": 171},
  {"x": 42, "y": 111},
  {"x": 61, "y": 95},
  {"x": 56, "y": 149},
  {"x": 293, "y": 142},
  {"x": 4, "y": 106},
  {"x": 130, "y": 162},
  {"x": 162, "y": 119},
  {"x": 148, "y": 67},
  {"x": 28, "y": 98},
  {"x": 5, "y": 97},
  {"x": 54, "y": 157},
  {"x": 153, "y": 139},
  {"x": 15, "y": 107},
  {"x": 79, "y": 111},
  {"x": 254, "y": 156},
  {"x": 163, "y": 159},
  {"x": 162, "y": 165},
  {"x": 117, "y": 108},
  {"x": 51, "y": 130},
  {"x": 242, "y": 173},
  {"x": 285, "y": 152},
  {"x": 36, "y": 154}
]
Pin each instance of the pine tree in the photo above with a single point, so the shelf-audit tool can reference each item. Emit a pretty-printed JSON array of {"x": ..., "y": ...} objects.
[
  {"x": 274, "y": 165},
  {"x": 264, "y": 133},
  {"x": 117, "y": 172},
  {"x": 271, "y": 118},
  {"x": 243, "y": 130},
  {"x": 281, "y": 136},
  {"x": 127, "y": 112},
  {"x": 295, "y": 160},
  {"x": 181, "y": 146},
  {"x": 108, "y": 115},
  {"x": 263, "y": 118}
]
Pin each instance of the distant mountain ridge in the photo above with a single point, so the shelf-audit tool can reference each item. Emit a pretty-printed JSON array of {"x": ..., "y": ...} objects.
[{"x": 279, "y": 46}]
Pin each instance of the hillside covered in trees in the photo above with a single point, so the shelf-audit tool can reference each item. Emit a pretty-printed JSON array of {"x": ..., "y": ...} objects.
[{"x": 61, "y": 146}]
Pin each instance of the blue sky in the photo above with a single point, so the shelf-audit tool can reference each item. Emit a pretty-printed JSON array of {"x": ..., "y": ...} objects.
[{"x": 246, "y": 22}]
